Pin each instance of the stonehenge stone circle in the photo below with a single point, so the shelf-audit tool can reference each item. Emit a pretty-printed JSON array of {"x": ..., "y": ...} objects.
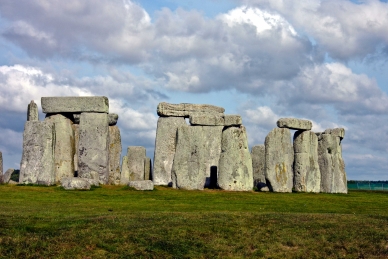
[
  {"x": 258, "y": 166},
  {"x": 279, "y": 158},
  {"x": 75, "y": 183},
  {"x": 94, "y": 104},
  {"x": 307, "y": 176},
  {"x": 235, "y": 165},
  {"x": 185, "y": 109},
  {"x": 37, "y": 164},
  {"x": 295, "y": 124},
  {"x": 146, "y": 185},
  {"x": 165, "y": 148},
  {"x": 93, "y": 147},
  {"x": 32, "y": 112},
  {"x": 114, "y": 155}
]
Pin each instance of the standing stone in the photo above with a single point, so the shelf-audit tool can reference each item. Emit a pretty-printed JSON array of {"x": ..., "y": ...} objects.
[
  {"x": 165, "y": 148},
  {"x": 185, "y": 109},
  {"x": 75, "y": 104},
  {"x": 147, "y": 169},
  {"x": 331, "y": 164},
  {"x": 258, "y": 166},
  {"x": 76, "y": 142},
  {"x": 93, "y": 147},
  {"x": 7, "y": 175},
  {"x": 32, "y": 112},
  {"x": 124, "y": 177},
  {"x": 235, "y": 173},
  {"x": 295, "y": 124},
  {"x": 114, "y": 155},
  {"x": 307, "y": 176},
  {"x": 64, "y": 146},
  {"x": 135, "y": 162},
  {"x": 211, "y": 137},
  {"x": 37, "y": 164},
  {"x": 279, "y": 158}
]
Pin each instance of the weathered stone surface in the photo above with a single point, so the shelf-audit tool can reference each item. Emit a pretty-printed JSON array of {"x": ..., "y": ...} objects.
[
  {"x": 214, "y": 119},
  {"x": 165, "y": 148},
  {"x": 124, "y": 176},
  {"x": 338, "y": 132},
  {"x": 331, "y": 164},
  {"x": 145, "y": 185},
  {"x": 76, "y": 142},
  {"x": 307, "y": 176},
  {"x": 12, "y": 182},
  {"x": 93, "y": 147},
  {"x": 135, "y": 162},
  {"x": 32, "y": 112},
  {"x": 76, "y": 117},
  {"x": 113, "y": 118},
  {"x": 7, "y": 175},
  {"x": 235, "y": 173},
  {"x": 114, "y": 155},
  {"x": 93, "y": 182},
  {"x": 196, "y": 158},
  {"x": 279, "y": 158},
  {"x": 75, "y": 104},
  {"x": 147, "y": 169},
  {"x": 295, "y": 124},
  {"x": 258, "y": 166},
  {"x": 75, "y": 183},
  {"x": 37, "y": 164},
  {"x": 64, "y": 146},
  {"x": 185, "y": 109}
]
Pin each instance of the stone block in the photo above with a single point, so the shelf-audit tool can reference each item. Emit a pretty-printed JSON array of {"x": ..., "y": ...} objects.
[
  {"x": 258, "y": 166},
  {"x": 76, "y": 142},
  {"x": 279, "y": 158},
  {"x": 7, "y": 175},
  {"x": 135, "y": 162},
  {"x": 185, "y": 109},
  {"x": 32, "y": 112},
  {"x": 75, "y": 183},
  {"x": 338, "y": 132},
  {"x": 93, "y": 147},
  {"x": 37, "y": 164},
  {"x": 64, "y": 149},
  {"x": 165, "y": 148},
  {"x": 295, "y": 124},
  {"x": 307, "y": 176},
  {"x": 147, "y": 169},
  {"x": 235, "y": 172},
  {"x": 124, "y": 176},
  {"x": 113, "y": 118},
  {"x": 214, "y": 119},
  {"x": 114, "y": 155},
  {"x": 75, "y": 104},
  {"x": 145, "y": 185}
]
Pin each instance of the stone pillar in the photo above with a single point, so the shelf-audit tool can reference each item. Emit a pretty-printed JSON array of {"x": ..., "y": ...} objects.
[
  {"x": 76, "y": 141},
  {"x": 135, "y": 163},
  {"x": 258, "y": 166},
  {"x": 279, "y": 158},
  {"x": 147, "y": 169},
  {"x": 114, "y": 155},
  {"x": 307, "y": 176},
  {"x": 93, "y": 147},
  {"x": 235, "y": 173},
  {"x": 32, "y": 112},
  {"x": 37, "y": 164},
  {"x": 165, "y": 148},
  {"x": 64, "y": 146}
]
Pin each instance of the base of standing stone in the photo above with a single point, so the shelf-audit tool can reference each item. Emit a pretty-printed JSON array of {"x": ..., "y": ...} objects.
[
  {"x": 146, "y": 185},
  {"x": 75, "y": 183}
]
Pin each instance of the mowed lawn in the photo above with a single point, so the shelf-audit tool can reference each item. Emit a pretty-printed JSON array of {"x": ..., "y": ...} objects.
[{"x": 115, "y": 222}]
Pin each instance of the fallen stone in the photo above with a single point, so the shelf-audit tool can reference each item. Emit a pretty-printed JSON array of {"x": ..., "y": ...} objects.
[
  {"x": 214, "y": 119},
  {"x": 13, "y": 182},
  {"x": 264, "y": 189},
  {"x": 165, "y": 148},
  {"x": 64, "y": 146},
  {"x": 279, "y": 158},
  {"x": 331, "y": 164},
  {"x": 114, "y": 155},
  {"x": 76, "y": 104},
  {"x": 145, "y": 185},
  {"x": 93, "y": 182},
  {"x": 185, "y": 109},
  {"x": 135, "y": 161},
  {"x": 113, "y": 118},
  {"x": 295, "y": 124},
  {"x": 7, "y": 175},
  {"x": 37, "y": 164},
  {"x": 338, "y": 132},
  {"x": 258, "y": 166},
  {"x": 235, "y": 172},
  {"x": 32, "y": 112},
  {"x": 307, "y": 176},
  {"x": 147, "y": 169},
  {"x": 93, "y": 147},
  {"x": 75, "y": 183}
]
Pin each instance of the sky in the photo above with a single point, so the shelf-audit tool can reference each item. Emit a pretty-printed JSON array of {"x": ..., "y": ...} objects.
[{"x": 325, "y": 61}]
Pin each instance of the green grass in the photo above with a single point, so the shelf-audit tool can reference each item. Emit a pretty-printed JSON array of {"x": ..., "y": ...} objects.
[{"x": 116, "y": 222}]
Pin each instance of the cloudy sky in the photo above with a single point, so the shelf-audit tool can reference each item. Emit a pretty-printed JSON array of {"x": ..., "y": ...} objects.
[{"x": 325, "y": 61}]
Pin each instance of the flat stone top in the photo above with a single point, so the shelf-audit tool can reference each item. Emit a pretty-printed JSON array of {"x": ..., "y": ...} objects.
[
  {"x": 338, "y": 132},
  {"x": 185, "y": 109},
  {"x": 214, "y": 119},
  {"x": 75, "y": 104},
  {"x": 295, "y": 124}
]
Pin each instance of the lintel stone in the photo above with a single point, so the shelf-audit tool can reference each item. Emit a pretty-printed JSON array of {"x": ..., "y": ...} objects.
[
  {"x": 295, "y": 124},
  {"x": 75, "y": 104},
  {"x": 185, "y": 109}
]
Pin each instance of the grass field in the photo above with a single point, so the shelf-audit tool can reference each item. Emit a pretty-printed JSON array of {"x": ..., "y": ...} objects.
[{"x": 115, "y": 222}]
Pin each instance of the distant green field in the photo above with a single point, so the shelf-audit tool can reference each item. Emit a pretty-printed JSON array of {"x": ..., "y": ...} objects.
[
  {"x": 365, "y": 185},
  {"x": 114, "y": 222}
]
